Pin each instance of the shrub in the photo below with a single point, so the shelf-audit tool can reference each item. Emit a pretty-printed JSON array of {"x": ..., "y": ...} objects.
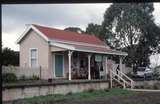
[
  {"x": 147, "y": 87},
  {"x": 141, "y": 87},
  {"x": 155, "y": 87},
  {"x": 35, "y": 77},
  {"x": 136, "y": 87},
  {"x": 23, "y": 77},
  {"x": 69, "y": 93},
  {"x": 158, "y": 78},
  {"x": 90, "y": 90},
  {"x": 106, "y": 90},
  {"x": 9, "y": 77}
]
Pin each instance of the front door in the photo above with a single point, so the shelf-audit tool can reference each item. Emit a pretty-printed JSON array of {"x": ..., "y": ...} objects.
[{"x": 58, "y": 65}]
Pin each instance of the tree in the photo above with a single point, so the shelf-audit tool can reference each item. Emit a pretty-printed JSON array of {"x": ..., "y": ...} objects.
[
  {"x": 74, "y": 29},
  {"x": 94, "y": 29},
  {"x": 131, "y": 27},
  {"x": 10, "y": 57}
]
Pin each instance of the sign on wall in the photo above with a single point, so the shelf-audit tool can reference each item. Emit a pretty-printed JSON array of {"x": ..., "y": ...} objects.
[{"x": 98, "y": 58}]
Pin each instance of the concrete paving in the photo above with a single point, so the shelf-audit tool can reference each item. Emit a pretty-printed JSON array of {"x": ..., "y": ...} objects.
[{"x": 144, "y": 90}]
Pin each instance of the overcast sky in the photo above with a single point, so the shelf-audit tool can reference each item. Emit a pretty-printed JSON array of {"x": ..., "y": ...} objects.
[{"x": 15, "y": 17}]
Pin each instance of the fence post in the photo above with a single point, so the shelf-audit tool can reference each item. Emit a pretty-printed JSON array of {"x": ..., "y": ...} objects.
[
  {"x": 124, "y": 86},
  {"x": 131, "y": 84},
  {"x": 111, "y": 78},
  {"x": 40, "y": 72}
]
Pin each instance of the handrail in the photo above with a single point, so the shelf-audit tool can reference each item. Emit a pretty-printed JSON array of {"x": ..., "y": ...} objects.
[
  {"x": 127, "y": 78},
  {"x": 117, "y": 75},
  {"x": 131, "y": 81},
  {"x": 125, "y": 75},
  {"x": 120, "y": 78}
]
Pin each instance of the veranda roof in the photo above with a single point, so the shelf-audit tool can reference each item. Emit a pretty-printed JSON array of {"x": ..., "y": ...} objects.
[{"x": 90, "y": 49}]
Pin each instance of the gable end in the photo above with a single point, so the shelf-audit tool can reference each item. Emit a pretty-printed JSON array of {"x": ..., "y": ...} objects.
[{"x": 30, "y": 28}]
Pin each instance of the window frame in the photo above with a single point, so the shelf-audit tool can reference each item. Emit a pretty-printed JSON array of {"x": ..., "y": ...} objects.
[{"x": 30, "y": 57}]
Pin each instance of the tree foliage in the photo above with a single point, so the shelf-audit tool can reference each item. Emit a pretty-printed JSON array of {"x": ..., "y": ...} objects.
[
  {"x": 123, "y": 23},
  {"x": 94, "y": 29},
  {"x": 10, "y": 57},
  {"x": 131, "y": 27}
]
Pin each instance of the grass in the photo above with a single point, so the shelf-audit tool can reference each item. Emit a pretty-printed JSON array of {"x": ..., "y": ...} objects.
[{"x": 82, "y": 96}]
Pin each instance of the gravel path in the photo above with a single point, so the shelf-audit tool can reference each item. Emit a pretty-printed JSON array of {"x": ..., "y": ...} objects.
[{"x": 144, "y": 90}]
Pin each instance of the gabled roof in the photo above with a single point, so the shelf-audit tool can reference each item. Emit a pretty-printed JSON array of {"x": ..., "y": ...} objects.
[
  {"x": 71, "y": 40},
  {"x": 52, "y": 33},
  {"x": 57, "y": 34}
]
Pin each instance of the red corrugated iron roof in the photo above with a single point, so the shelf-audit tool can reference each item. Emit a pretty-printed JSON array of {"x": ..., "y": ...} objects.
[
  {"x": 88, "y": 48},
  {"x": 98, "y": 49},
  {"x": 52, "y": 33},
  {"x": 93, "y": 48}
]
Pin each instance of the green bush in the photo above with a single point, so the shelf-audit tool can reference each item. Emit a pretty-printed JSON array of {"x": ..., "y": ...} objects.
[
  {"x": 90, "y": 90},
  {"x": 155, "y": 87},
  {"x": 22, "y": 78},
  {"x": 148, "y": 87},
  {"x": 136, "y": 87},
  {"x": 69, "y": 93},
  {"x": 141, "y": 87},
  {"x": 9, "y": 77},
  {"x": 34, "y": 77},
  {"x": 106, "y": 90}
]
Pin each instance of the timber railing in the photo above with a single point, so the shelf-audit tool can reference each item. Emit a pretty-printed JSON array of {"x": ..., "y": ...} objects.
[
  {"x": 128, "y": 79},
  {"x": 121, "y": 78}
]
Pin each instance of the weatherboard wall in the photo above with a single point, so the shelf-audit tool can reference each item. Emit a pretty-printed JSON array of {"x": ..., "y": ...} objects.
[{"x": 33, "y": 40}]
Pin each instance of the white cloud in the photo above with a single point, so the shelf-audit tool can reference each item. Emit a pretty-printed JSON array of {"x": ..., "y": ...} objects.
[
  {"x": 155, "y": 60},
  {"x": 9, "y": 41},
  {"x": 156, "y": 13}
]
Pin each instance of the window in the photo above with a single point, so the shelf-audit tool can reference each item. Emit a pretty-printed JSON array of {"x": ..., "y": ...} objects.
[{"x": 33, "y": 57}]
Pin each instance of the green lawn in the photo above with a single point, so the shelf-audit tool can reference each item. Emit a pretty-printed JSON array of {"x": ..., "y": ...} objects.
[{"x": 82, "y": 96}]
